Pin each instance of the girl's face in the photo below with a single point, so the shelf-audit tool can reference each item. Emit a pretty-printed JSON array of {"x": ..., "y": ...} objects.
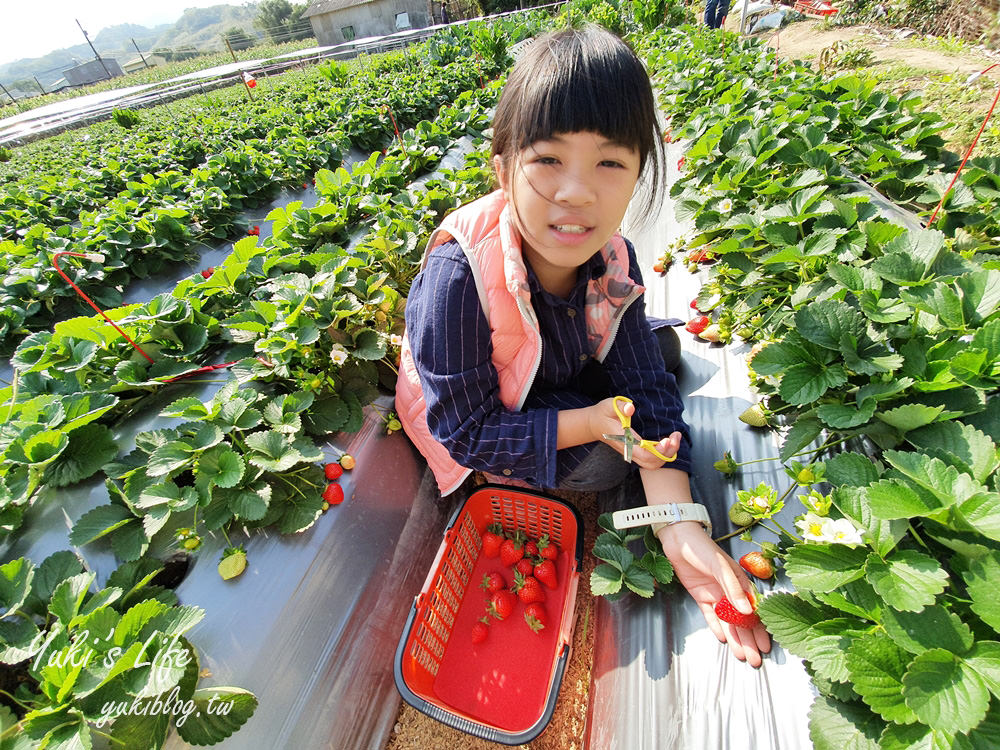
[{"x": 569, "y": 194}]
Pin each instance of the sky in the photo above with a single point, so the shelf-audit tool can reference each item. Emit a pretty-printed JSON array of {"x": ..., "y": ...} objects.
[{"x": 33, "y": 29}]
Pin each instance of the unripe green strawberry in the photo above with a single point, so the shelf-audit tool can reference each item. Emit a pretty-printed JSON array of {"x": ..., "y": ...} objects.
[
  {"x": 739, "y": 516},
  {"x": 754, "y": 416}
]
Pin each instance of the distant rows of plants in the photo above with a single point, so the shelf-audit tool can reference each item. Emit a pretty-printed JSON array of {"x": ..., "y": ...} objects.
[
  {"x": 158, "y": 192},
  {"x": 876, "y": 351}
]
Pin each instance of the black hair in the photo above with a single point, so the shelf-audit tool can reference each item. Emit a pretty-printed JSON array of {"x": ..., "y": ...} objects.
[{"x": 576, "y": 80}]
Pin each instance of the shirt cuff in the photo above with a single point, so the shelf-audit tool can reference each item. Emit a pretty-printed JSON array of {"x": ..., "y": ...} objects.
[{"x": 547, "y": 430}]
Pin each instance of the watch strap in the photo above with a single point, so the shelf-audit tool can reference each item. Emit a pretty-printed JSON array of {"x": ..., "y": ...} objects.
[{"x": 662, "y": 514}]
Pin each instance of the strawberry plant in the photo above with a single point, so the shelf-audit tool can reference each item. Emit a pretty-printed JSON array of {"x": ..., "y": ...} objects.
[
  {"x": 239, "y": 458},
  {"x": 621, "y": 568},
  {"x": 112, "y": 663}
]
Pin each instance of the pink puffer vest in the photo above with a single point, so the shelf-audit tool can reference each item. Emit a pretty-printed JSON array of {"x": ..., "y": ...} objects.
[{"x": 493, "y": 246}]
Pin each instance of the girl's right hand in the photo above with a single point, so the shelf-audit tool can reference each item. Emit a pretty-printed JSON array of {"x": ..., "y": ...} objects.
[{"x": 603, "y": 420}]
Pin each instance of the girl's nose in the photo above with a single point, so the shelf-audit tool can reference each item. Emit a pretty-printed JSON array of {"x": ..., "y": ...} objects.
[{"x": 574, "y": 190}]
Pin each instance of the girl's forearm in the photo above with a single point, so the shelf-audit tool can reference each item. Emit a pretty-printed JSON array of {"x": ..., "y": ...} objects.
[
  {"x": 574, "y": 428},
  {"x": 665, "y": 485}
]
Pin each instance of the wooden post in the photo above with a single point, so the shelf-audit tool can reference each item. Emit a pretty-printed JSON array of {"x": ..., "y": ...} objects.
[
  {"x": 39, "y": 84},
  {"x": 143, "y": 57},
  {"x": 12, "y": 99},
  {"x": 245, "y": 84}
]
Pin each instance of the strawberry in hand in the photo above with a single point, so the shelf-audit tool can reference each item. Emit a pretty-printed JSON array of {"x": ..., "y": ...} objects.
[{"x": 726, "y": 612}]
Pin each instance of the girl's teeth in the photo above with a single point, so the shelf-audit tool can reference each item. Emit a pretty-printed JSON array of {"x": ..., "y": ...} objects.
[{"x": 571, "y": 228}]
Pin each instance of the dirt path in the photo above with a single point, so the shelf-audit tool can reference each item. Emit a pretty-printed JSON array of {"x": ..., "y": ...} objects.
[{"x": 806, "y": 39}]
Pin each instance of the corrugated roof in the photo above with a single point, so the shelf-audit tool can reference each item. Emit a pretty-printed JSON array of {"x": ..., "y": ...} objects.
[{"x": 328, "y": 6}]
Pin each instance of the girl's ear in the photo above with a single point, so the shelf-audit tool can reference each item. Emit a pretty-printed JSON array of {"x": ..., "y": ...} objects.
[{"x": 501, "y": 173}]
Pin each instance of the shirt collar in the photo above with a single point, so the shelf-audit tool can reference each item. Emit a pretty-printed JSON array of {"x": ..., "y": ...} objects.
[{"x": 593, "y": 268}]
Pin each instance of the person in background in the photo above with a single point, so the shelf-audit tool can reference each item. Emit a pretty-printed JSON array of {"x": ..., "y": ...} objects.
[
  {"x": 715, "y": 13},
  {"x": 528, "y": 317}
]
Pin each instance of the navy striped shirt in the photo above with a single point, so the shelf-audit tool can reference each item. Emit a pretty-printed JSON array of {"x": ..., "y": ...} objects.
[{"x": 450, "y": 340}]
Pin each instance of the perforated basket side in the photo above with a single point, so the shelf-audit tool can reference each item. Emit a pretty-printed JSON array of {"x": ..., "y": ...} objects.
[
  {"x": 535, "y": 516},
  {"x": 436, "y": 609}
]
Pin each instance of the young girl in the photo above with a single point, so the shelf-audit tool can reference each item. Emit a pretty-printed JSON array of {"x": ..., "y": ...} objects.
[{"x": 528, "y": 317}]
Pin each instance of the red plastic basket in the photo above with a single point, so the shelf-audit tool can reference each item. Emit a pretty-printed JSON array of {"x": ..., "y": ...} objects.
[{"x": 505, "y": 689}]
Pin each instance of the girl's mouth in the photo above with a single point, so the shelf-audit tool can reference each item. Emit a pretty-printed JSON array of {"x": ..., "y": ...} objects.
[
  {"x": 571, "y": 228},
  {"x": 571, "y": 234}
]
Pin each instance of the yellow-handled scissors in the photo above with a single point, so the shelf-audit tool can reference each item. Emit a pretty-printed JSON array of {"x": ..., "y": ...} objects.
[{"x": 628, "y": 438}]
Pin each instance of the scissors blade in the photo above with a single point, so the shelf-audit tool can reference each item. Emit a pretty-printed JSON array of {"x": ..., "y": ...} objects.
[{"x": 627, "y": 440}]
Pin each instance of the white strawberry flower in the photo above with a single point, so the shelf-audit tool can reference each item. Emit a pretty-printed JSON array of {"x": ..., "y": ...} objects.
[
  {"x": 395, "y": 339},
  {"x": 338, "y": 354},
  {"x": 726, "y": 205},
  {"x": 842, "y": 531},
  {"x": 812, "y": 527}
]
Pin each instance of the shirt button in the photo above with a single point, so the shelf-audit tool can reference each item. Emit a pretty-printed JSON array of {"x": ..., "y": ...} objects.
[
  {"x": 507, "y": 472},
  {"x": 571, "y": 312},
  {"x": 584, "y": 357}
]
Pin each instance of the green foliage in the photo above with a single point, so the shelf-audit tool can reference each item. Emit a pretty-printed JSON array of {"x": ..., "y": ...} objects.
[
  {"x": 620, "y": 567},
  {"x": 282, "y": 21},
  {"x": 127, "y": 118},
  {"x": 115, "y": 661},
  {"x": 884, "y": 338}
]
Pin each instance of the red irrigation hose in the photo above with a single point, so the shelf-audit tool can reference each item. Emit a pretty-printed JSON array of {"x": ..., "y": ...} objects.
[
  {"x": 967, "y": 153},
  {"x": 98, "y": 258}
]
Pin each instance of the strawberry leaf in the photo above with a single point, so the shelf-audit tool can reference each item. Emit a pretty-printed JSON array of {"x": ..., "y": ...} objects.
[
  {"x": 844, "y": 416},
  {"x": 876, "y": 666},
  {"x": 89, "y": 448},
  {"x": 169, "y": 457},
  {"x": 944, "y": 692},
  {"x": 221, "y": 466},
  {"x": 851, "y": 469},
  {"x": 15, "y": 584},
  {"x": 801, "y": 434},
  {"x": 835, "y": 725},
  {"x": 980, "y": 579},
  {"x": 985, "y": 660},
  {"x": 910, "y": 416},
  {"x": 97, "y": 522},
  {"x": 824, "y": 567},
  {"x": 789, "y": 617},
  {"x": 908, "y": 581},
  {"x": 219, "y": 711},
  {"x": 639, "y": 581},
  {"x": 946, "y": 483},
  {"x": 826, "y": 647},
  {"x": 606, "y": 580}
]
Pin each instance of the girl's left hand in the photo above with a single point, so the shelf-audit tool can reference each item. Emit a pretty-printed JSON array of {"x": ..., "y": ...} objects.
[{"x": 708, "y": 574}]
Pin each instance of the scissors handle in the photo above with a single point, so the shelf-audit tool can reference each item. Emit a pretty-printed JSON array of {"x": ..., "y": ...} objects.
[
  {"x": 626, "y": 421},
  {"x": 650, "y": 445}
]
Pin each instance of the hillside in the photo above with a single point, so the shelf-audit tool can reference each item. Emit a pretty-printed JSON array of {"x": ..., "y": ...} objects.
[{"x": 197, "y": 27}]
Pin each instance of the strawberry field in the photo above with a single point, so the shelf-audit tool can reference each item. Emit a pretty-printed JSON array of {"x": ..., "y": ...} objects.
[{"x": 200, "y": 433}]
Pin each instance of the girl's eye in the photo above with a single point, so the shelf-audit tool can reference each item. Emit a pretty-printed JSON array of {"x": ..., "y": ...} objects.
[
  {"x": 547, "y": 160},
  {"x": 612, "y": 163}
]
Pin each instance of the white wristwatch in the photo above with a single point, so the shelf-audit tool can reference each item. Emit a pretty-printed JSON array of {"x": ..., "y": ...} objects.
[{"x": 665, "y": 514}]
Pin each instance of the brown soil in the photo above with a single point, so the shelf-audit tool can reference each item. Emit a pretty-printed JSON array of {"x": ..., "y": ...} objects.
[
  {"x": 805, "y": 40},
  {"x": 567, "y": 729}
]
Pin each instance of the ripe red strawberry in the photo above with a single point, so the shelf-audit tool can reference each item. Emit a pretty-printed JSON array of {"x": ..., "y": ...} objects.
[
  {"x": 545, "y": 571},
  {"x": 501, "y": 604},
  {"x": 525, "y": 566},
  {"x": 492, "y": 582},
  {"x": 480, "y": 629},
  {"x": 547, "y": 549},
  {"x": 333, "y": 471},
  {"x": 333, "y": 494},
  {"x": 530, "y": 549},
  {"x": 536, "y": 617},
  {"x": 698, "y": 324},
  {"x": 658, "y": 267},
  {"x": 207, "y": 273},
  {"x": 726, "y": 612},
  {"x": 680, "y": 164},
  {"x": 704, "y": 255},
  {"x": 512, "y": 550},
  {"x": 757, "y": 564},
  {"x": 694, "y": 304},
  {"x": 492, "y": 540},
  {"x": 528, "y": 589}
]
